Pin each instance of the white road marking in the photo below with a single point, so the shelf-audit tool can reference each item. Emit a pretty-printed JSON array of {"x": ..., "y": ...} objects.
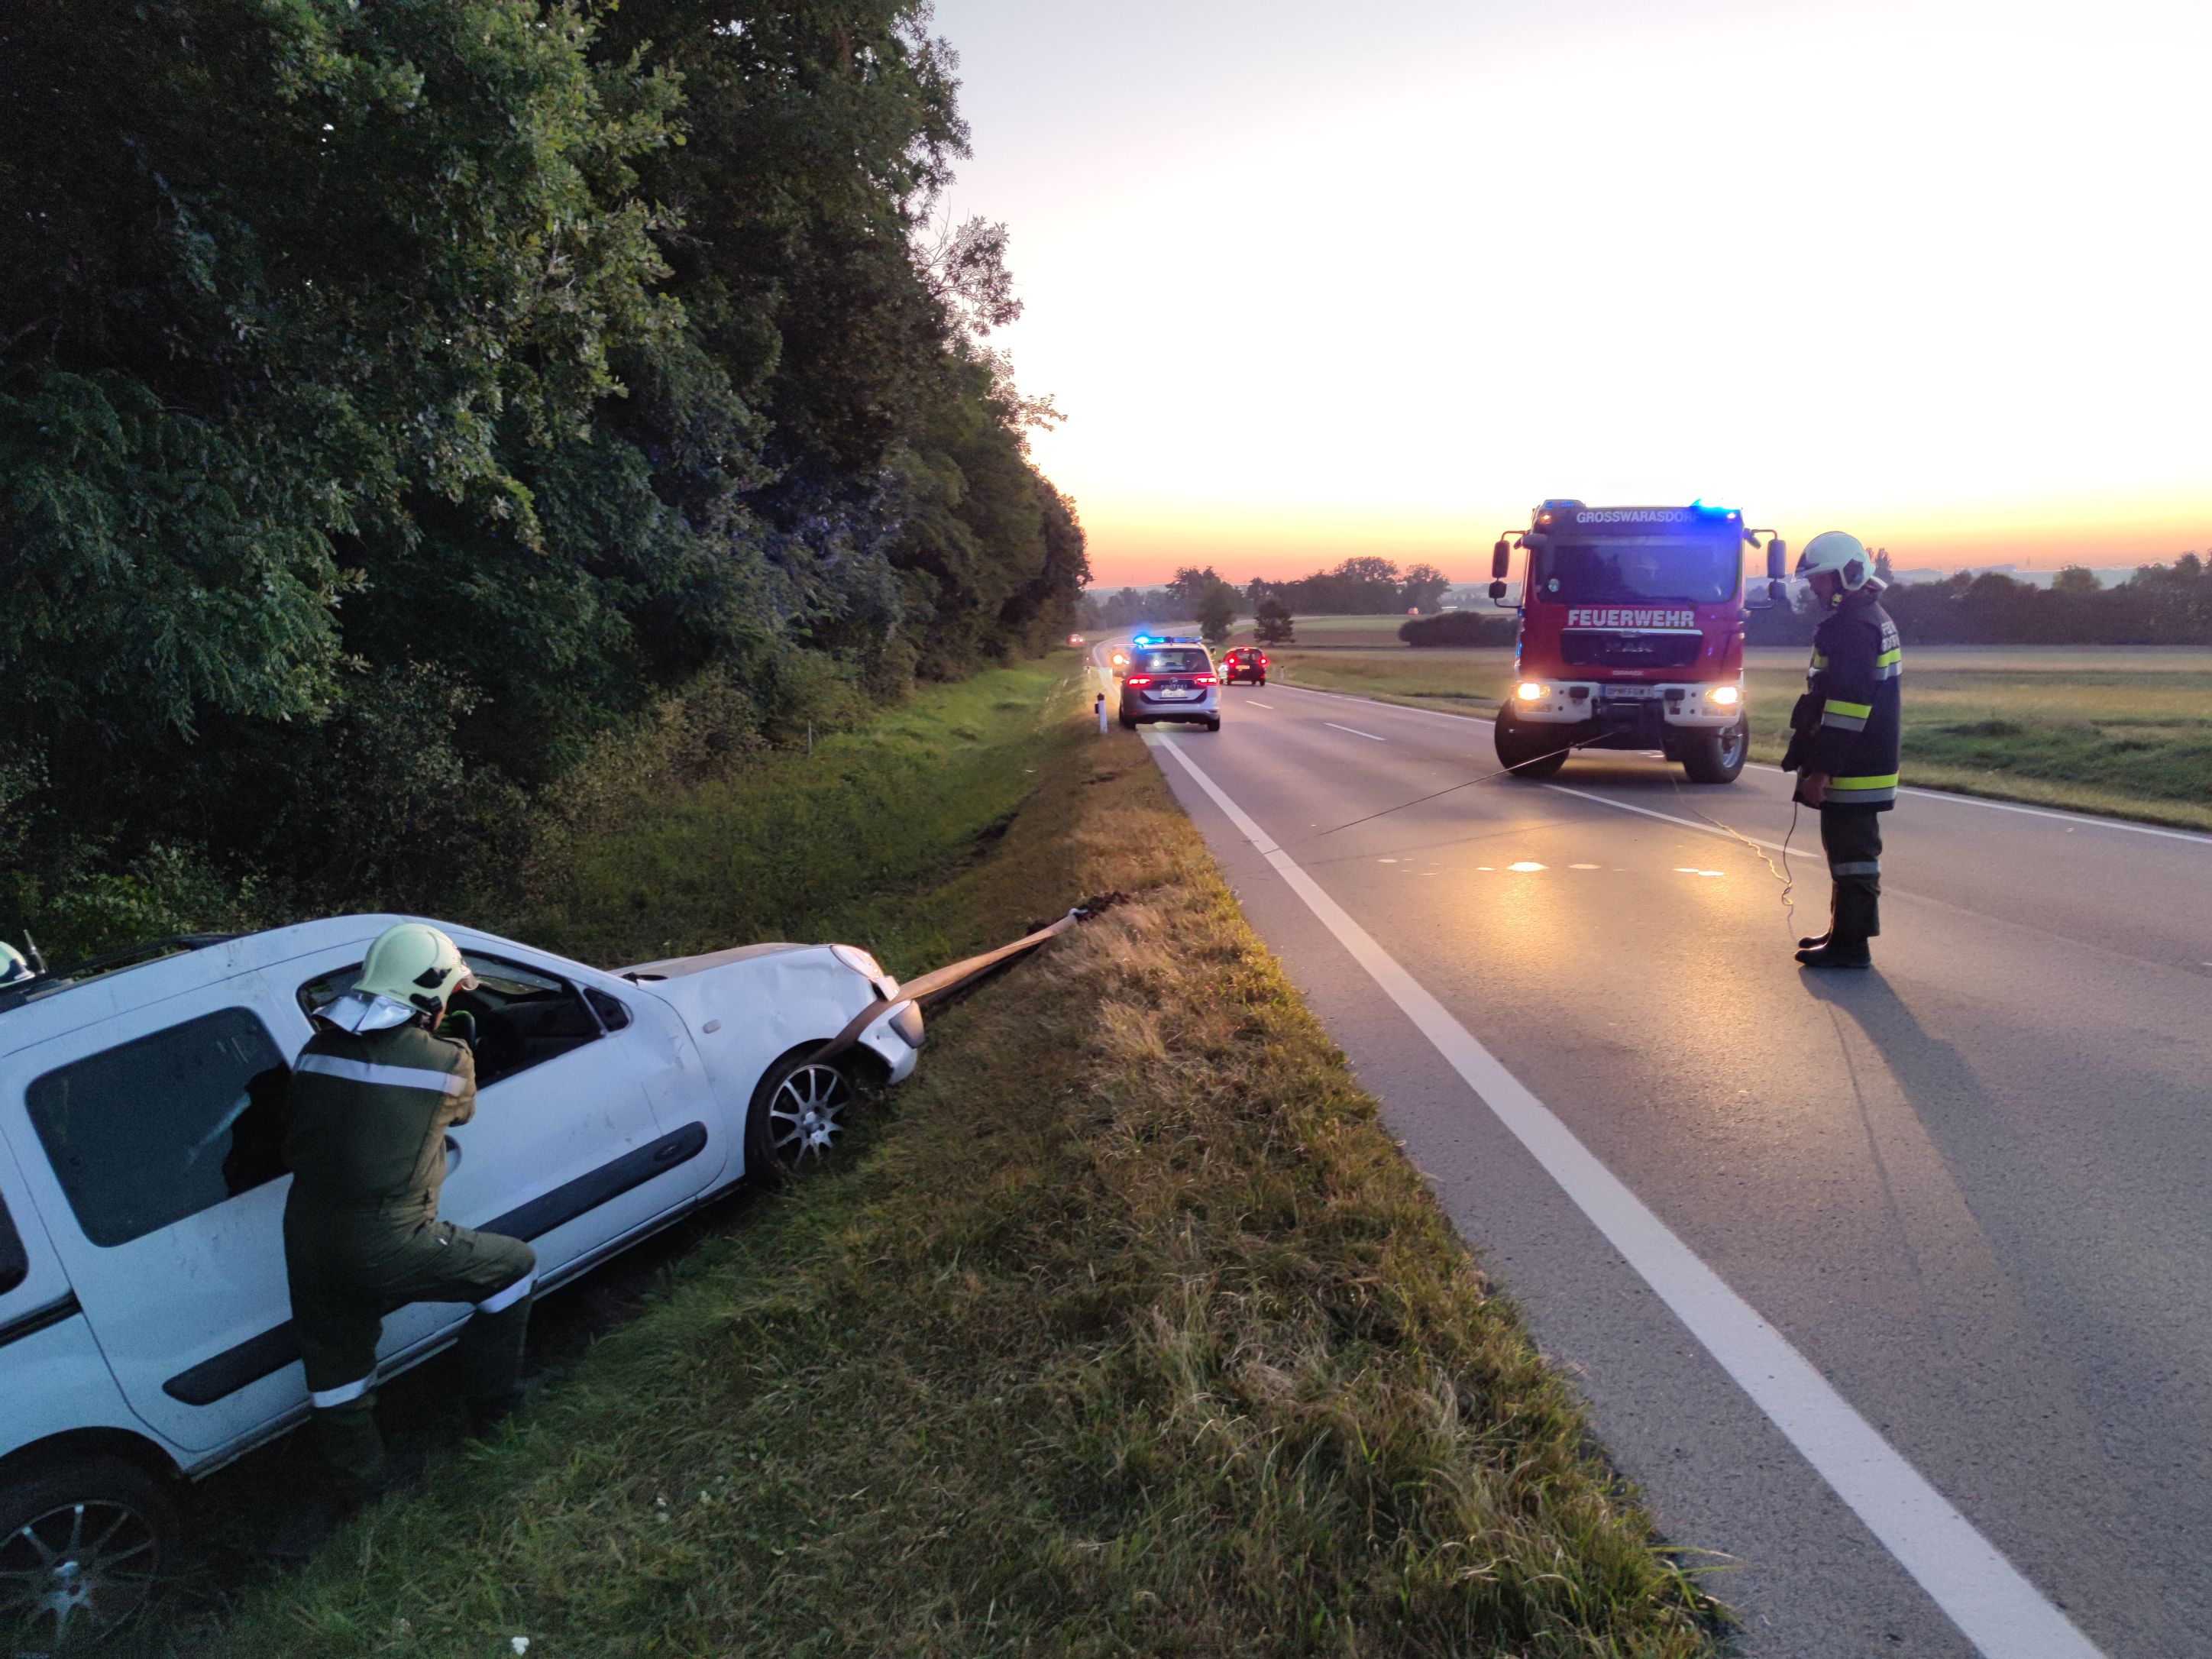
[
  {"x": 2070, "y": 819},
  {"x": 1997, "y": 1610},
  {"x": 1256, "y": 703},
  {"x": 1664, "y": 818},
  {"x": 1356, "y": 732}
]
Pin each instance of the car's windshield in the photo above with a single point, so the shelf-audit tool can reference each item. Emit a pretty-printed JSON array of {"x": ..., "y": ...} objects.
[
  {"x": 1179, "y": 661},
  {"x": 1632, "y": 569}
]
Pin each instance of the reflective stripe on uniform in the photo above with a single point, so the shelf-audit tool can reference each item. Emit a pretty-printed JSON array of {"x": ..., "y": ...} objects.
[
  {"x": 1844, "y": 722},
  {"x": 1865, "y": 791},
  {"x": 1889, "y": 664},
  {"x": 324, "y": 1398},
  {"x": 1819, "y": 659},
  {"x": 390, "y": 1077},
  {"x": 1857, "y": 867},
  {"x": 500, "y": 1301}
]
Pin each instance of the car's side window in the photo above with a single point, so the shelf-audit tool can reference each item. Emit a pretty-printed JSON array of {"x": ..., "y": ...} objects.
[
  {"x": 15, "y": 1259},
  {"x": 164, "y": 1126},
  {"x": 522, "y": 1017}
]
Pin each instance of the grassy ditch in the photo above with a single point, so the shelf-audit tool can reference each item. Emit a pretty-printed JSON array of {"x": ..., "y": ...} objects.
[
  {"x": 1127, "y": 1328},
  {"x": 2121, "y": 730}
]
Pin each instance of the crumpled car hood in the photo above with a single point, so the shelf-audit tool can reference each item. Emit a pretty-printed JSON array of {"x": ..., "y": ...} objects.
[{"x": 678, "y": 966}]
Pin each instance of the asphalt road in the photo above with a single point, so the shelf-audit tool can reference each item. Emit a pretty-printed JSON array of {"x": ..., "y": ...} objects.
[{"x": 1893, "y": 1289}]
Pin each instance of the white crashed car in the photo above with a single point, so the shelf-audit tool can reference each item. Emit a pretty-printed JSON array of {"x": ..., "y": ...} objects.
[{"x": 144, "y": 1324}]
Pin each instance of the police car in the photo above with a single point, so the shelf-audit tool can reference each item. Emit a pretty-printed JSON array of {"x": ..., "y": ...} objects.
[
  {"x": 1169, "y": 678},
  {"x": 145, "y": 1328}
]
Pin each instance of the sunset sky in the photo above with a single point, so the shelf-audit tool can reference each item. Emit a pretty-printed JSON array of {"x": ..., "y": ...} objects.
[{"x": 1311, "y": 280}]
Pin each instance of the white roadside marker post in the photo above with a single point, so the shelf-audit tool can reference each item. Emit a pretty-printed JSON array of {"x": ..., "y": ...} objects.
[{"x": 1100, "y": 703}]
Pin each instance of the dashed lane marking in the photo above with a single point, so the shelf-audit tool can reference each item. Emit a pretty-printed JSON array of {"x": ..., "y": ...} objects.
[
  {"x": 1356, "y": 732},
  {"x": 1993, "y": 1605}
]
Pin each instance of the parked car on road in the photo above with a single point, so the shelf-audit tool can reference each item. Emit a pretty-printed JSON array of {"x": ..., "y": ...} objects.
[
  {"x": 1246, "y": 665},
  {"x": 145, "y": 1328},
  {"x": 1170, "y": 680}
]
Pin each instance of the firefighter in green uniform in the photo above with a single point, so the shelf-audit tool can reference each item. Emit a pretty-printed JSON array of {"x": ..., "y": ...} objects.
[
  {"x": 372, "y": 1096},
  {"x": 1844, "y": 741}
]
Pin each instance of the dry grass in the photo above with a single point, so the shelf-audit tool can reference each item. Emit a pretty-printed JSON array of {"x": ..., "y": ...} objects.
[{"x": 1127, "y": 1330}]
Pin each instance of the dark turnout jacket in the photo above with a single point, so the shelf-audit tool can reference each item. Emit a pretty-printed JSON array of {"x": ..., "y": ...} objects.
[{"x": 1846, "y": 725}]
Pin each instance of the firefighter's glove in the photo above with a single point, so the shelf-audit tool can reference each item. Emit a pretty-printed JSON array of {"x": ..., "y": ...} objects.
[{"x": 459, "y": 1025}]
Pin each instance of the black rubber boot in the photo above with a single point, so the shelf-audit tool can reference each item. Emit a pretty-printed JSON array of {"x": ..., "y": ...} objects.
[
  {"x": 1816, "y": 941},
  {"x": 1833, "y": 955}
]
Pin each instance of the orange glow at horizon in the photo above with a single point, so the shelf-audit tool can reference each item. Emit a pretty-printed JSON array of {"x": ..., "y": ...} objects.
[{"x": 1311, "y": 284}]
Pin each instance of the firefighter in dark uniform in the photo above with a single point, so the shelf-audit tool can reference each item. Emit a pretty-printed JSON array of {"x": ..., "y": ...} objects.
[
  {"x": 372, "y": 1096},
  {"x": 1844, "y": 741}
]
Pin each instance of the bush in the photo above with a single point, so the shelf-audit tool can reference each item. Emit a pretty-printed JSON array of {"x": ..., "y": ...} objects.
[{"x": 1458, "y": 628}]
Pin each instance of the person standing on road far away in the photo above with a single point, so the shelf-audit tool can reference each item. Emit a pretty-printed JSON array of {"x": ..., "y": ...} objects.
[
  {"x": 1844, "y": 741},
  {"x": 372, "y": 1096}
]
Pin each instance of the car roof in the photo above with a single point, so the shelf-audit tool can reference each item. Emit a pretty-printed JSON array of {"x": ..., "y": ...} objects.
[{"x": 68, "y": 1005}]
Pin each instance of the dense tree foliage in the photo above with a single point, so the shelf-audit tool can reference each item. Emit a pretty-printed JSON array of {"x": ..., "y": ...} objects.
[
  {"x": 397, "y": 398},
  {"x": 2158, "y": 605},
  {"x": 1362, "y": 586}
]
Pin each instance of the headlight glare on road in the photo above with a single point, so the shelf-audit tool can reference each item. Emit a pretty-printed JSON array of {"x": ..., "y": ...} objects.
[
  {"x": 1529, "y": 691},
  {"x": 1727, "y": 695}
]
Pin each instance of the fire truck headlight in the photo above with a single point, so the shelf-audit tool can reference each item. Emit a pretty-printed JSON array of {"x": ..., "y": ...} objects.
[
  {"x": 1727, "y": 695},
  {"x": 1529, "y": 691}
]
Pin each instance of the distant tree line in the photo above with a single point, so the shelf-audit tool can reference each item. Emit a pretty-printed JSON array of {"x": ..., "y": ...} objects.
[
  {"x": 2158, "y": 605},
  {"x": 399, "y": 399}
]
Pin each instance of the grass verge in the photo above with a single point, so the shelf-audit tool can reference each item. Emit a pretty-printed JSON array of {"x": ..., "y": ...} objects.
[
  {"x": 2123, "y": 731},
  {"x": 1127, "y": 1328}
]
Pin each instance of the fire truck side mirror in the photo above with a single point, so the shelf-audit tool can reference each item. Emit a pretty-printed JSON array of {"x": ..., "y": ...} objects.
[
  {"x": 1776, "y": 553},
  {"x": 1499, "y": 557},
  {"x": 1777, "y": 593},
  {"x": 1497, "y": 592}
]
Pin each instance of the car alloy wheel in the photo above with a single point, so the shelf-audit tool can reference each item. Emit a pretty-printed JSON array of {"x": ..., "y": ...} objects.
[
  {"x": 71, "y": 1574},
  {"x": 807, "y": 1113}
]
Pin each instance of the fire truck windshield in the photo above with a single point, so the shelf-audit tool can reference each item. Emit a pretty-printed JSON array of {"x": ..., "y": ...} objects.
[{"x": 1630, "y": 569}]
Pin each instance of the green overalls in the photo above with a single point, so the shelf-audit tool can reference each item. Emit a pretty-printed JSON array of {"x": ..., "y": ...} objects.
[{"x": 366, "y": 1147}]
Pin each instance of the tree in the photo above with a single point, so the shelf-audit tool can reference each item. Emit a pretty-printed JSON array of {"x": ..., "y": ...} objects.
[
  {"x": 1271, "y": 621},
  {"x": 1425, "y": 586},
  {"x": 1188, "y": 587},
  {"x": 1217, "y": 613}
]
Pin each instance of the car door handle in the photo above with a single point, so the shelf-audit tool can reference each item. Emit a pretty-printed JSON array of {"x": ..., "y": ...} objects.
[
  {"x": 671, "y": 1151},
  {"x": 452, "y": 1154}
]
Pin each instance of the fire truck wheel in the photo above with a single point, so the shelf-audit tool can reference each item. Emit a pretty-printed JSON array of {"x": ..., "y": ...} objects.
[
  {"x": 1531, "y": 751},
  {"x": 1716, "y": 757}
]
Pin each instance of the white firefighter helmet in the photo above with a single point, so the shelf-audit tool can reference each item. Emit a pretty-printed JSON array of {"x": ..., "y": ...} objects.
[
  {"x": 1844, "y": 557},
  {"x": 410, "y": 969}
]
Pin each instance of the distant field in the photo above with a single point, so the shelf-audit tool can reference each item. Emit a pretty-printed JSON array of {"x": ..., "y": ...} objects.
[{"x": 2121, "y": 729}]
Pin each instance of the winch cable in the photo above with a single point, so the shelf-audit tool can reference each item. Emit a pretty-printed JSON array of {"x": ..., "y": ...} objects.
[
  {"x": 1784, "y": 874},
  {"x": 1451, "y": 789}
]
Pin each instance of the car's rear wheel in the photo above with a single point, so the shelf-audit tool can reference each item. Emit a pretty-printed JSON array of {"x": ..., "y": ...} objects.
[
  {"x": 799, "y": 1113},
  {"x": 82, "y": 1545}
]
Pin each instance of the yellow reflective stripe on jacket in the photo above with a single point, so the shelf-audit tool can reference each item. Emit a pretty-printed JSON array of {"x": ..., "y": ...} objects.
[
  {"x": 1888, "y": 781},
  {"x": 1819, "y": 659},
  {"x": 1888, "y": 658},
  {"x": 1856, "y": 710}
]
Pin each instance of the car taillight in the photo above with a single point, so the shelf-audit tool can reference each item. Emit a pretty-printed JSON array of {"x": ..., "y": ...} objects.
[
  {"x": 1138, "y": 679},
  {"x": 1202, "y": 679}
]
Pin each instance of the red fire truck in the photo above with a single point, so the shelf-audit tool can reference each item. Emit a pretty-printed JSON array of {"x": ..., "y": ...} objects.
[{"x": 1631, "y": 635}]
